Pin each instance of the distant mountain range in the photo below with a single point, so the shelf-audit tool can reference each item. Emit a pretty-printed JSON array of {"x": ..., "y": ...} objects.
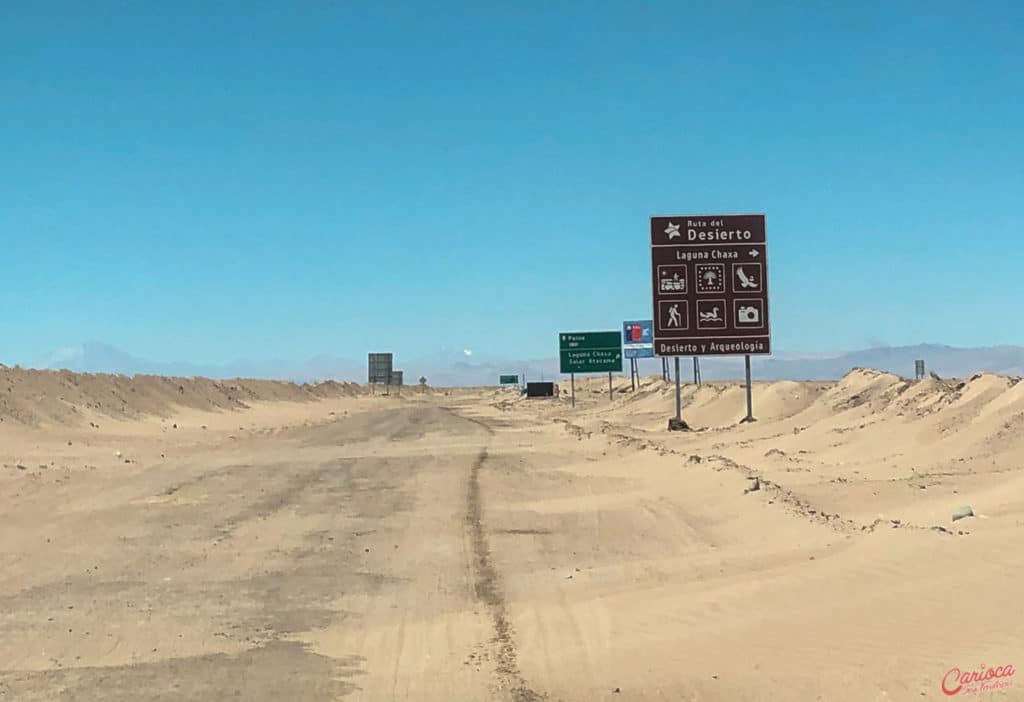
[
  {"x": 946, "y": 361},
  {"x": 456, "y": 368}
]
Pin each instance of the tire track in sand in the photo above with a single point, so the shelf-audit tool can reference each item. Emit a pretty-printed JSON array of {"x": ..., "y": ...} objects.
[{"x": 489, "y": 591}]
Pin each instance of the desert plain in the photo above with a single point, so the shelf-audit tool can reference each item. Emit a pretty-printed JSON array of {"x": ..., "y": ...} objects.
[{"x": 190, "y": 539}]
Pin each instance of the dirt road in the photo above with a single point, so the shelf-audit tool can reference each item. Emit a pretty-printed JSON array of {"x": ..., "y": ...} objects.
[{"x": 207, "y": 579}]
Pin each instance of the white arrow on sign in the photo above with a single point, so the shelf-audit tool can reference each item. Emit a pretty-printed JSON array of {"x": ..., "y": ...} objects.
[{"x": 753, "y": 252}]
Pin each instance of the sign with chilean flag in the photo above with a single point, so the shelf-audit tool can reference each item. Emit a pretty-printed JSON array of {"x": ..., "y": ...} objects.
[{"x": 638, "y": 339}]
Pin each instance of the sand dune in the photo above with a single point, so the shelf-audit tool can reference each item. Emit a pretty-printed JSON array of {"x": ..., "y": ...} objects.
[{"x": 35, "y": 397}]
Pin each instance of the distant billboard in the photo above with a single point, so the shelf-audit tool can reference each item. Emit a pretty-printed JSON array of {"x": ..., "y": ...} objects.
[
  {"x": 508, "y": 379},
  {"x": 638, "y": 339},
  {"x": 397, "y": 378},
  {"x": 379, "y": 368}
]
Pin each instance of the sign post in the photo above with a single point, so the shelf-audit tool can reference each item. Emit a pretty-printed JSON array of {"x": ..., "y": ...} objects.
[
  {"x": 397, "y": 380},
  {"x": 379, "y": 368},
  {"x": 679, "y": 402},
  {"x": 750, "y": 405},
  {"x": 709, "y": 277},
  {"x": 637, "y": 342},
  {"x": 590, "y": 352}
]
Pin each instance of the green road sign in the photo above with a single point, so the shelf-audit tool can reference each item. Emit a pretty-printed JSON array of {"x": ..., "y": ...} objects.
[
  {"x": 590, "y": 352},
  {"x": 509, "y": 380}
]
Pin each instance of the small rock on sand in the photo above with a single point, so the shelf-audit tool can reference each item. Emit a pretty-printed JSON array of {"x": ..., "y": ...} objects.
[{"x": 963, "y": 513}]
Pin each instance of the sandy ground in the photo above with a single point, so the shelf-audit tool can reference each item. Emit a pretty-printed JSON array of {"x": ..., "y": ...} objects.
[{"x": 322, "y": 544}]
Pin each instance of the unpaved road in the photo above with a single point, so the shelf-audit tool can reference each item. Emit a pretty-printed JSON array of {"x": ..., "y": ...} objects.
[
  {"x": 478, "y": 547},
  {"x": 348, "y": 560}
]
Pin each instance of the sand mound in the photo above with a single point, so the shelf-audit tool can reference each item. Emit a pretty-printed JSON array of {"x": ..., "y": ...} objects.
[{"x": 36, "y": 397}]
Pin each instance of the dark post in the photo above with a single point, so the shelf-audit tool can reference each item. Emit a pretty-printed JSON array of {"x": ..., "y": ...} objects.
[
  {"x": 676, "y": 423},
  {"x": 679, "y": 401},
  {"x": 572, "y": 383},
  {"x": 610, "y": 397},
  {"x": 750, "y": 404}
]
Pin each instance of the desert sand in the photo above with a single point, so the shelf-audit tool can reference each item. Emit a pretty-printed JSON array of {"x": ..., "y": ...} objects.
[{"x": 185, "y": 539}]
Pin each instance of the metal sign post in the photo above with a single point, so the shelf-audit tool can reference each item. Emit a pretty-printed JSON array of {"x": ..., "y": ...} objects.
[
  {"x": 637, "y": 343},
  {"x": 676, "y": 423},
  {"x": 709, "y": 276},
  {"x": 696, "y": 371},
  {"x": 572, "y": 384},
  {"x": 611, "y": 398},
  {"x": 679, "y": 397},
  {"x": 590, "y": 352},
  {"x": 379, "y": 367},
  {"x": 750, "y": 404}
]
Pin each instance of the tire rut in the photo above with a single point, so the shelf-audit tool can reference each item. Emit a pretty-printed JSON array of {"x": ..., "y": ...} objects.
[{"x": 488, "y": 590}]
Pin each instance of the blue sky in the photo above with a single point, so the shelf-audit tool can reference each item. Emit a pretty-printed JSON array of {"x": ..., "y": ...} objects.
[{"x": 190, "y": 181}]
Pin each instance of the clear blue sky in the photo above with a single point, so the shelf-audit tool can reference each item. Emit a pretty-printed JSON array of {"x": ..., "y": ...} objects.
[{"x": 207, "y": 181}]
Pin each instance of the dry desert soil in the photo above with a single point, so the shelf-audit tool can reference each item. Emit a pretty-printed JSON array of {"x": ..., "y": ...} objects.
[{"x": 186, "y": 539}]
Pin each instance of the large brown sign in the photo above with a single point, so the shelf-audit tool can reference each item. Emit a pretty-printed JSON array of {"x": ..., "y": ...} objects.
[{"x": 710, "y": 278}]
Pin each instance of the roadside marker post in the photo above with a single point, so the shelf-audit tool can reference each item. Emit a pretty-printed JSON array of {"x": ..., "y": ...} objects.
[{"x": 750, "y": 405}]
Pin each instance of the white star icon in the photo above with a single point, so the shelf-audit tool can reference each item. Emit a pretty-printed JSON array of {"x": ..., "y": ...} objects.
[{"x": 672, "y": 230}]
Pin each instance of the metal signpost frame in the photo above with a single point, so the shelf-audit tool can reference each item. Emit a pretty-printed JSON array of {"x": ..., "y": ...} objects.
[
  {"x": 590, "y": 352},
  {"x": 709, "y": 276},
  {"x": 379, "y": 368},
  {"x": 397, "y": 379},
  {"x": 637, "y": 342}
]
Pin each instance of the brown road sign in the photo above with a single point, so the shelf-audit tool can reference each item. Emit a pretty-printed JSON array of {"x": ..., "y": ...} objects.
[{"x": 710, "y": 278}]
